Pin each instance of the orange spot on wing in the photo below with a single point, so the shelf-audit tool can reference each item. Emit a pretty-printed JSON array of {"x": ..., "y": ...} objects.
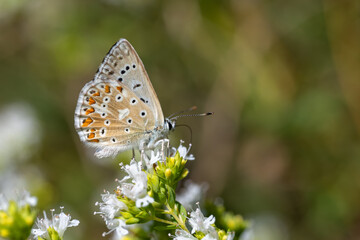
[
  {"x": 91, "y": 101},
  {"x": 107, "y": 88},
  {"x": 93, "y": 130},
  {"x": 96, "y": 94},
  {"x": 87, "y": 122},
  {"x": 93, "y": 140},
  {"x": 120, "y": 89},
  {"x": 91, "y": 135},
  {"x": 90, "y": 110}
]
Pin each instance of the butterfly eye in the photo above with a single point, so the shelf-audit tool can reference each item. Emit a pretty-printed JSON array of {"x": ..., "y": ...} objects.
[
  {"x": 143, "y": 113},
  {"x": 133, "y": 101}
]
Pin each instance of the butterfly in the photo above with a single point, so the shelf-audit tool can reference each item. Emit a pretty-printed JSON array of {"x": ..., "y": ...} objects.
[{"x": 119, "y": 110}]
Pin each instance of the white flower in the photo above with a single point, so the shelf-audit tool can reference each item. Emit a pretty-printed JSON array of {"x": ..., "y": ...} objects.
[
  {"x": 109, "y": 210},
  {"x": 154, "y": 158},
  {"x": 183, "y": 235},
  {"x": 191, "y": 194},
  {"x": 202, "y": 224},
  {"x": 183, "y": 151},
  {"x": 265, "y": 227},
  {"x": 116, "y": 225},
  {"x": 210, "y": 237},
  {"x": 58, "y": 222},
  {"x": 4, "y": 203},
  {"x": 23, "y": 198},
  {"x": 110, "y": 207},
  {"x": 230, "y": 236},
  {"x": 20, "y": 133},
  {"x": 136, "y": 190},
  {"x": 143, "y": 202}
]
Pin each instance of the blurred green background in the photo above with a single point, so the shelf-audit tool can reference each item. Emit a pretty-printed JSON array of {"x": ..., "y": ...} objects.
[{"x": 283, "y": 78}]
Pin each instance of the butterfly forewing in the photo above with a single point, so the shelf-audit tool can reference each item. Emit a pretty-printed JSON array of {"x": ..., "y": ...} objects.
[
  {"x": 122, "y": 64},
  {"x": 119, "y": 108}
]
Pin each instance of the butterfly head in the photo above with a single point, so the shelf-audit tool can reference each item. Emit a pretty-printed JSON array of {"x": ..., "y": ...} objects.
[{"x": 169, "y": 124}]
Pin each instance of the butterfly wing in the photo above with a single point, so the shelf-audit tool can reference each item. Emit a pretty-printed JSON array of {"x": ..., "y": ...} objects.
[
  {"x": 112, "y": 118},
  {"x": 119, "y": 108},
  {"x": 122, "y": 64}
]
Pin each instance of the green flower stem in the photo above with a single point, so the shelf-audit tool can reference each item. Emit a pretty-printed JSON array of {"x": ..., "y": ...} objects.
[
  {"x": 163, "y": 221},
  {"x": 179, "y": 221}
]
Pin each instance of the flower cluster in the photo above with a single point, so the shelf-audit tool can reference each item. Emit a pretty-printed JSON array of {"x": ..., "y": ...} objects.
[
  {"x": 17, "y": 216},
  {"x": 147, "y": 195},
  {"x": 54, "y": 228}
]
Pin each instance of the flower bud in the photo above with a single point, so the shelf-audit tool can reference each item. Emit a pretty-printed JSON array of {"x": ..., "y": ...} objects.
[
  {"x": 184, "y": 173},
  {"x": 168, "y": 173}
]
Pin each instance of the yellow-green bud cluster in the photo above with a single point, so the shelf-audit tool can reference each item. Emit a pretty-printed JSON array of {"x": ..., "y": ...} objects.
[
  {"x": 163, "y": 181},
  {"x": 16, "y": 222},
  {"x": 134, "y": 214}
]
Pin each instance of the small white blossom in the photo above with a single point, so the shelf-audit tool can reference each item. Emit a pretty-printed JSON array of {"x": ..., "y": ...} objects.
[
  {"x": 136, "y": 190},
  {"x": 109, "y": 210},
  {"x": 116, "y": 225},
  {"x": 265, "y": 227},
  {"x": 4, "y": 203},
  {"x": 154, "y": 158},
  {"x": 202, "y": 224},
  {"x": 23, "y": 198},
  {"x": 183, "y": 151},
  {"x": 210, "y": 237},
  {"x": 110, "y": 207},
  {"x": 191, "y": 194},
  {"x": 230, "y": 236},
  {"x": 183, "y": 235},
  {"x": 20, "y": 133},
  {"x": 58, "y": 222}
]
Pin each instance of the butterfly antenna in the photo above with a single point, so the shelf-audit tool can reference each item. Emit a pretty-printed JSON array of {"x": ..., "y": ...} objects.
[
  {"x": 180, "y": 112},
  {"x": 193, "y": 115},
  {"x": 188, "y": 127}
]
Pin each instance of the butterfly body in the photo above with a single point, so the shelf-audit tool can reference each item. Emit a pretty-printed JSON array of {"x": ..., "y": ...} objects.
[{"x": 119, "y": 110}]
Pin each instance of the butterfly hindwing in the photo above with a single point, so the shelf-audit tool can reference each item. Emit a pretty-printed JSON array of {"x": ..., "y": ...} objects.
[{"x": 109, "y": 115}]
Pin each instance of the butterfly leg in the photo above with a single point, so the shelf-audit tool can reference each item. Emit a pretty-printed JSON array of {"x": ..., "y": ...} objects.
[
  {"x": 133, "y": 154},
  {"x": 164, "y": 148}
]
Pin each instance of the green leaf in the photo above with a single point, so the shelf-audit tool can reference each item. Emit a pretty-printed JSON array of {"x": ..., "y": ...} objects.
[
  {"x": 142, "y": 214},
  {"x": 132, "y": 221},
  {"x": 183, "y": 213},
  {"x": 126, "y": 215},
  {"x": 171, "y": 196}
]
